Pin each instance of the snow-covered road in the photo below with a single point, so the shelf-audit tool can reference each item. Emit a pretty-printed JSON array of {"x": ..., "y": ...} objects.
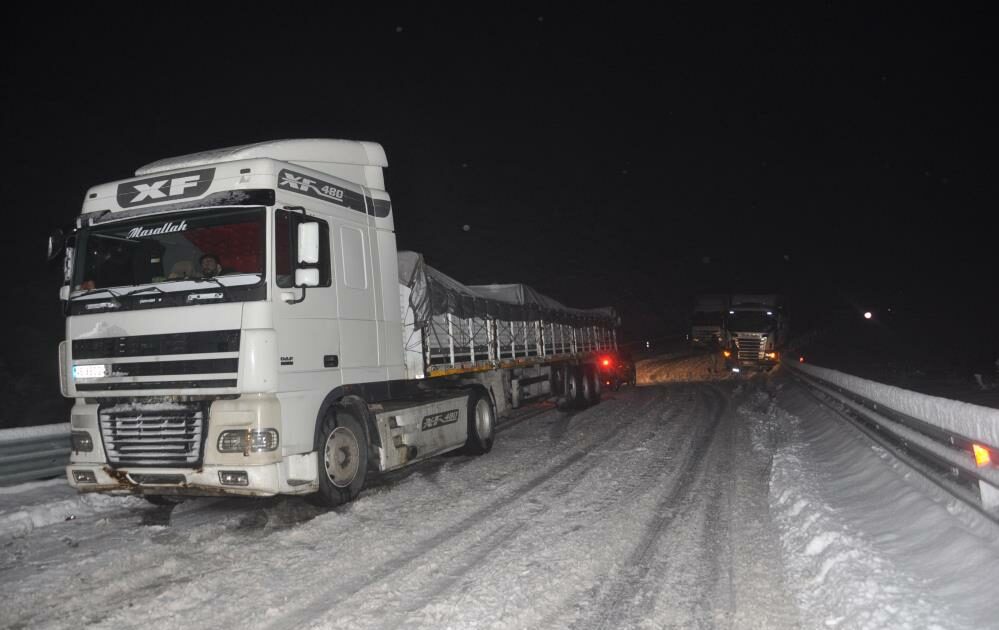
[{"x": 682, "y": 503}]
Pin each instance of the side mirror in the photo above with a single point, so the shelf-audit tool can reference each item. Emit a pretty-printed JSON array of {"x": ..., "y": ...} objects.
[
  {"x": 57, "y": 240},
  {"x": 308, "y": 244},
  {"x": 307, "y": 277}
]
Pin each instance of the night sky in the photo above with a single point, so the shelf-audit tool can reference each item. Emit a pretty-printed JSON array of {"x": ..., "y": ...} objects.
[{"x": 844, "y": 157}]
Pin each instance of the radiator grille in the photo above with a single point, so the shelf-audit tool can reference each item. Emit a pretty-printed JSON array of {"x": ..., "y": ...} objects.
[
  {"x": 749, "y": 348},
  {"x": 153, "y": 434}
]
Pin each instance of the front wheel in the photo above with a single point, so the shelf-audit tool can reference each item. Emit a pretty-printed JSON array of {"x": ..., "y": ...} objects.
[{"x": 343, "y": 459}]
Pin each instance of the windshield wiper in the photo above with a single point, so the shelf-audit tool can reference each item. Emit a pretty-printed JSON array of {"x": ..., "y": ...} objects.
[
  {"x": 114, "y": 296},
  {"x": 225, "y": 289},
  {"x": 142, "y": 290}
]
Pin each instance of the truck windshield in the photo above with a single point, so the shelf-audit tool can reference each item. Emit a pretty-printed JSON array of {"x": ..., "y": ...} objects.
[
  {"x": 707, "y": 319},
  {"x": 752, "y": 321},
  {"x": 192, "y": 245}
]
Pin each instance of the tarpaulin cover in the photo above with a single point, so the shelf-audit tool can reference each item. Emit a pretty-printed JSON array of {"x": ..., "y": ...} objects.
[{"x": 436, "y": 293}]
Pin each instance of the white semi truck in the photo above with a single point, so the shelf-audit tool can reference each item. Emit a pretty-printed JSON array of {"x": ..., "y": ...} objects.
[
  {"x": 706, "y": 322},
  {"x": 756, "y": 331},
  {"x": 239, "y": 322}
]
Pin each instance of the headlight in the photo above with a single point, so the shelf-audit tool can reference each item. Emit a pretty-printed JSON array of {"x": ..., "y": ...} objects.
[{"x": 248, "y": 441}]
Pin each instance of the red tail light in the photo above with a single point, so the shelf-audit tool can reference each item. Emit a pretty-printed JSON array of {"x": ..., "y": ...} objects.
[{"x": 605, "y": 362}]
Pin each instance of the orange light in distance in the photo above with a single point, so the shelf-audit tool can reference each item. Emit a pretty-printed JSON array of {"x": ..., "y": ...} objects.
[
  {"x": 801, "y": 359},
  {"x": 727, "y": 353},
  {"x": 982, "y": 455}
]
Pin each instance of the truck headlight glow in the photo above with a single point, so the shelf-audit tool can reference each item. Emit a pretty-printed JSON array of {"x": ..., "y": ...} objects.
[
  {"x": 82, "y": 442},
  {"x": 248, "y": 441}
]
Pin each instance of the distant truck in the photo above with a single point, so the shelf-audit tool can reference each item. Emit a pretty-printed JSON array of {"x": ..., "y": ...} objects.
[
  {"x": 239, "y": 322},
  {"x": 756, "y": 331},
  {"x": 707, "y": 320}
]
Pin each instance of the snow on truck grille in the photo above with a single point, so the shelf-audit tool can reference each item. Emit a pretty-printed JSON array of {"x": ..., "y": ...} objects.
[{"x": 153, "y": 434}]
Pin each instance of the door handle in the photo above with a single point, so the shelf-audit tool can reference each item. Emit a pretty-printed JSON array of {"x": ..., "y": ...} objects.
[{"x": 331, "y": 361}]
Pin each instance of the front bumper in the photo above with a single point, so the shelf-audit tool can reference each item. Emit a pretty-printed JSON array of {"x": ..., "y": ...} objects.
[
  {"x": 764, "y": 362},
  {"x": 265, "y": 473},
  {"x": 294, "y": 474}
]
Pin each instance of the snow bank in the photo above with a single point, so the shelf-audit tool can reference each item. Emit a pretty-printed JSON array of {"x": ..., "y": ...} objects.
[
  {"x": 866, "y": 542},
  {"x": 681, "y": 369},
  {"x": 54, "y": 501},
  {"x": 971, "y": 421}
]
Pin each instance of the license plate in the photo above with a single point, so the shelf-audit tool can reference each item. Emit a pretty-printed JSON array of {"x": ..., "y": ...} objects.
[{"x": 90, "y": 371}]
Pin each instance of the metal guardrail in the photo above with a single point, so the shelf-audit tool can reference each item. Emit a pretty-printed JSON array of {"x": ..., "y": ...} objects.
[
  {"x": 946, "y": 456},
  {"x": 28, "y": 456}
]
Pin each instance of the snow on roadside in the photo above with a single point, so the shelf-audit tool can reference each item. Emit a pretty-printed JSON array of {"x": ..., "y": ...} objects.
[
  {"x": 686, "y": 369},
  {"x": 857, "y": 552},
  {"x": 54, "y": 501},
  {"x": 973, "y": 421}
]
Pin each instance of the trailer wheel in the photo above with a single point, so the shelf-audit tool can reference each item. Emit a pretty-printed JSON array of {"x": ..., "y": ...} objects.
[
  {"x": 586, "y": 386},
  {"x": 481, "y": 423},
  {"x": 343, "y": 458},
  {"x": 591, "y": 374},
  {"x": 573, "y": 389}
]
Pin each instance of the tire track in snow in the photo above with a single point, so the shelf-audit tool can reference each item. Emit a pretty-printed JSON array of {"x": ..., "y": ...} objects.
[
  {"x": 462, "y": 578},
  {"x": 611, "y": 606},
  {"x": 320, "y": 604}
]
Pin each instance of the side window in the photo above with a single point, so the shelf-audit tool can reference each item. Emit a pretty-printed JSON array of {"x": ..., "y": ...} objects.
[
  {"x": 286, "y": 247},
  {"x": 354, "y": 262}
]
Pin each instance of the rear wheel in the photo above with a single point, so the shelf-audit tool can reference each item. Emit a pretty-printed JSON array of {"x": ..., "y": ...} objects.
[
  {"x": 586, "y": 386},
  {"x": 343, "y": 459},
  {"x": 572, "y": 394},
  {"x": 481, "y": 423},
  {"x": 591, "y": 376}
]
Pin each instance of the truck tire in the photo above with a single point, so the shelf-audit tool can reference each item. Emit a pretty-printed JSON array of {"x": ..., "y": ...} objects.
[
  {"x": 343, "y": 458},
  {"x": 591, "y": 375},
  {"x": 481, "y": 423},
  {"x": 573, "y": 389},
  {"x": 586, "y": 386}
]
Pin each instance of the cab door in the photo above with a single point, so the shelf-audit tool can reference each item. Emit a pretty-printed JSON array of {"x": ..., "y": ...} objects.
[
  {"x": 356, "y": 293},
  {"x": 307, "y": 330}
]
